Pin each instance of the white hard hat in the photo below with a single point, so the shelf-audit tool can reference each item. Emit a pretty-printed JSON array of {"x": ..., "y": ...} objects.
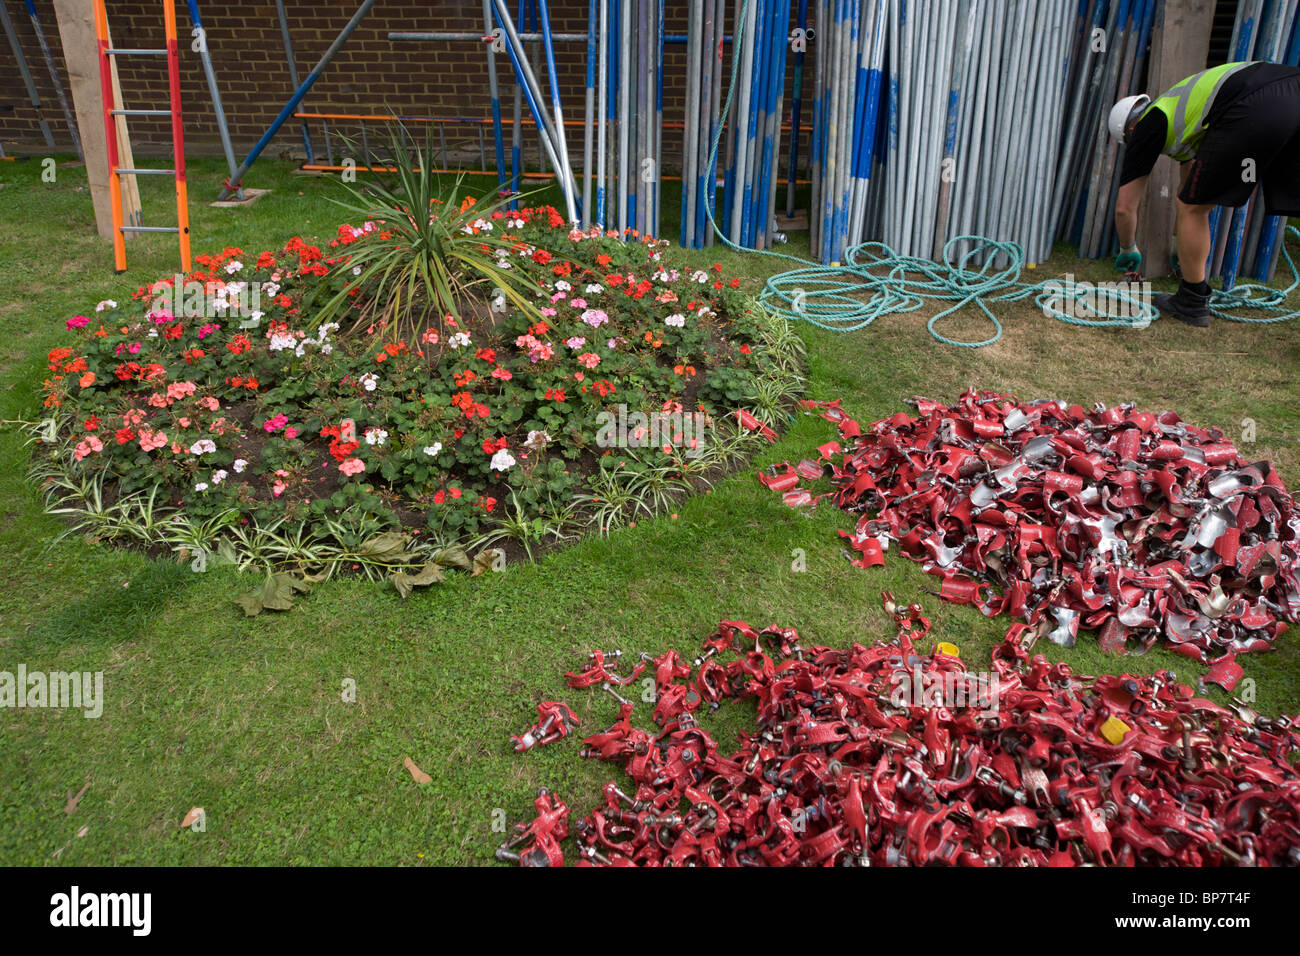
[{"x": 1120, "y": 113}]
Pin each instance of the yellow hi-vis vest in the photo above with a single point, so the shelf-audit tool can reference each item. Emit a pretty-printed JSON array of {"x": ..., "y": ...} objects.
[{"x": 1186, "y": 106}]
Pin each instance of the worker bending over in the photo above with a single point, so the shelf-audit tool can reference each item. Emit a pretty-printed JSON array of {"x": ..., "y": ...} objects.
[{"x": 1229, "y": 127}]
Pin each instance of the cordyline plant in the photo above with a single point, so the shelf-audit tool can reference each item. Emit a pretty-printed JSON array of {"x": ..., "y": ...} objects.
[{"x": 428, "y": 260}]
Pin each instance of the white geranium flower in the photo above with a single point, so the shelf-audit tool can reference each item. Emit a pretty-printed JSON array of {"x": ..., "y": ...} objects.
[
  {"x": 219, "y": 476},
  {"x": 239, "y": 466},
  {"x": 204, "y": 446},
  {"x": 433, "y": 450},
  {"x": 376, "y": 436},
  {"x": 459, "y": 340},
  {"x": 676, "y": 321},
  {"x": 106, "y": 304},
  {"x": 233, "y": 266},
  {"x": 369, "y": 381},
  {"x": 201, "y": 486},
  {"x": 503, "y": 460}
]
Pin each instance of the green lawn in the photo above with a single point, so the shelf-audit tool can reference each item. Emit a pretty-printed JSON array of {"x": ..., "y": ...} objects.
[{"x": 245, "y": 718}]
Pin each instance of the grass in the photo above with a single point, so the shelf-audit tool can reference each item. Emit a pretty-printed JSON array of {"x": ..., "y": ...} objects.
[{"x": 246, "y": 718}]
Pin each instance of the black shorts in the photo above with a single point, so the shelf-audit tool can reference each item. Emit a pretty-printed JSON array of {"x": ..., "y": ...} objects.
[{"x": 1264, "y": 127}]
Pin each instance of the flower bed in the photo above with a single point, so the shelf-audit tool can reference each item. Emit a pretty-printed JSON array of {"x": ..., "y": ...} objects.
[{"x": 222, "y": 414}]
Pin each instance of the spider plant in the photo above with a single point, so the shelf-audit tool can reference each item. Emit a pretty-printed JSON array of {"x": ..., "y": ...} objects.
[
  {"x": 655, "y": 488},
  {"x": 428, "y": 259},
  {"x": 514, "y": 524},
  {"x": 769, "y": 393},
  {"x": 185, "y": 534}
]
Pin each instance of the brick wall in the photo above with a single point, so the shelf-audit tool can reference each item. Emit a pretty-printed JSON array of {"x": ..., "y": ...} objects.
[{"x": 371, "y": 74}]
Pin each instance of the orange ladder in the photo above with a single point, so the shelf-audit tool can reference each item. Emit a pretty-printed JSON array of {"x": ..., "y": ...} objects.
[{"x": 112, "y": 109}]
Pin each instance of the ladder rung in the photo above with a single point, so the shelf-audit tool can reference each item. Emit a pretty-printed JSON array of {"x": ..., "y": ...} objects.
[
  {"x": 126, "y": 52},
  {"x": 146, "y": 172},
  {"x": 150, "y": 229},
  {"x": 141, "y": 112}
]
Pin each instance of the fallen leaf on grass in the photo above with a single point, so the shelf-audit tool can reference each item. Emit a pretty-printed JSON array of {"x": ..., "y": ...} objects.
[
  {"x": 418, "y": 775},
  {"x": 406, "y": 583},
  {"x": 278, "y": 594},
  {"x": 431, "y": 573},
  {"x": 194, "y": 814},
  {"x": 485, "y": 560},
  {"x": 75, "y": 798}
]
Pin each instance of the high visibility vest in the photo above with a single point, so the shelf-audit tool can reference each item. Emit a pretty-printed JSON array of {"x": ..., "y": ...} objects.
[{"x": 1186, "y": 106}]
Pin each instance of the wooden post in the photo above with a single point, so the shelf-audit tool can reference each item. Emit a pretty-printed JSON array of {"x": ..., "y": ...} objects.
[
  {"x": 1180, "y": 46},
  {"x": 81, "y": 55}
]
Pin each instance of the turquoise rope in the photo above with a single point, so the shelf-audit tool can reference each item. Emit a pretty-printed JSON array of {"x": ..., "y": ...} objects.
[
  {"x": 831, "y": 297},
  {"x": 1261, "y": 297}
]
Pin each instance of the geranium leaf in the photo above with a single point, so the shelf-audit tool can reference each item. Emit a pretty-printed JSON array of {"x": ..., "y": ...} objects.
[
  {"x": 453, "y": 556},
  {"x": 407, "y": 583},
  {"x": 390, "y": 545},
  {"x": 485, "y": 560}
]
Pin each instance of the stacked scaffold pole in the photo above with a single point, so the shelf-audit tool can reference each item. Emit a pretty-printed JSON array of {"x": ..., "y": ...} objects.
[
  {"x": 746, "y": 213},
  {"x": 1244, "y": 241},
  {"x": 936, "y": 121},
  {"x": 628, "y": 79}
]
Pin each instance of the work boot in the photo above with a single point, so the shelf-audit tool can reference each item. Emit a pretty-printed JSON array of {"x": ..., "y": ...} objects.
[{"x": 1190, "y": 304}]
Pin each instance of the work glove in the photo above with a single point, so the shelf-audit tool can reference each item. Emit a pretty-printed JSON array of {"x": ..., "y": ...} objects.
[{"x": 1129, "y": 260}]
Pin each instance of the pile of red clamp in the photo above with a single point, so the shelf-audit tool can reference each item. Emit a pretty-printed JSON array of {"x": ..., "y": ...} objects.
[
  {"x": 893, "y": 755},
  {"x": 1137, "y": 526}
]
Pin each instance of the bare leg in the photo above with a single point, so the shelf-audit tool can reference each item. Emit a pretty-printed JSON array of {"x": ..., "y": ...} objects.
[{"x": 1193, "y": 231}]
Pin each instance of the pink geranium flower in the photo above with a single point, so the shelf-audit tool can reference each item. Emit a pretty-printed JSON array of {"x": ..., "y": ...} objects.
[
  {"x": 151, "y": 440},
  {"x": 88, "y": 446}
]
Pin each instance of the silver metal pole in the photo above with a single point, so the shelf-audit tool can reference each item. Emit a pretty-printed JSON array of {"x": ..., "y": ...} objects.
[
  {"x": 590, "y": 111},
  {"x": 292, "y": 62},
  {"x": 711, "y": 174},
  {"x": 494, "y": 91},
  {"x": 602, "y": 105},
  {"x": 32, "y": 95},
  {"x": 742, "y": 121},
  {"x": 546, "y": 129},
  {"x": 625, "y": 68},
  {"x": 68, "y": 117},
  {"x": 561, "y": 145},
  {"x": 215, "y": 92},
  {"x": 690, "y": 157},
  {"x": 704, "y": 120}
]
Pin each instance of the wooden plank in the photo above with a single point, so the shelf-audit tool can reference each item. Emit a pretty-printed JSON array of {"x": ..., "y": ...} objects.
[
  {"x": 81, "y": 55},
  {"x": 1180, "y": 45}
]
